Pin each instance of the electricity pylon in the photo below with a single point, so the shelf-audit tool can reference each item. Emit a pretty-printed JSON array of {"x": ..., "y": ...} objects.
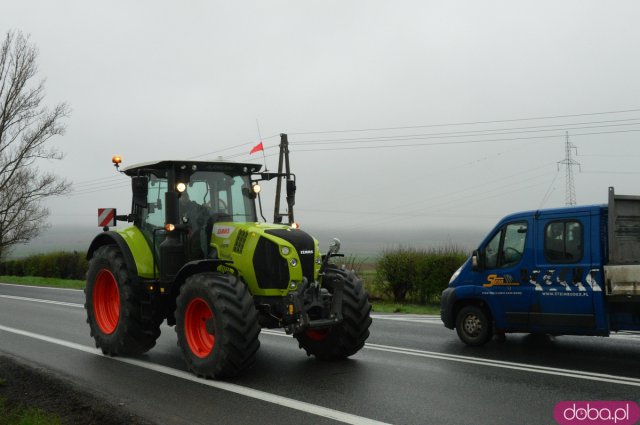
[{"x": 569, "y": 162}]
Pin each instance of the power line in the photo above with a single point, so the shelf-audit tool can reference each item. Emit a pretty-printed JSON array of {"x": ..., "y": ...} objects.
[
  {"x": 483, "y": 132},
  {"x": 470, "y": 123},
  {"x": 464, "y": 142},
  {"x": 611, "y": 172},
  {"x": 98, "y": 184},
  {"x": 230, "y": 147},
  {"x": 458, "y": 196}
]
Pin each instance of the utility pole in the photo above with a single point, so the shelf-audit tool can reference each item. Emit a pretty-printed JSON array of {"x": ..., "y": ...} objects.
[
  {"x": 569, "y": 162},
  {"x": 290, "y": 183}
]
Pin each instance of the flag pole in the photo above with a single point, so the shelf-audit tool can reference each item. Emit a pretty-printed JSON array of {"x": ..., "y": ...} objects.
[{"x": 264, "y": 158}]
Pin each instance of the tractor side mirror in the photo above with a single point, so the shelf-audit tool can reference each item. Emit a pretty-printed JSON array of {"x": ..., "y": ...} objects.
[
  {"x": 334, "y": 248},
  {"x": 139, "y": 187},
  {"x": 291, "y": 192},
  {"x": 172, "y": 208}
]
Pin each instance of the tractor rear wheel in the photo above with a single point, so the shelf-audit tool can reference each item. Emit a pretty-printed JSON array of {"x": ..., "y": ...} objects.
[
  {"x": 113, "y": 305},
  {"x": 217, "y": 325},
  {"x": 348, "y": 337}
]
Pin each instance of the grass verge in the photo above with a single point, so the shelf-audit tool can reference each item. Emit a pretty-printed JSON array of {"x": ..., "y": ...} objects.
[
  {"x": 25, "y": 415},
  {"x": 377, "y": 306},
  {"x": 44, "y": 281},
  {"x": 391, "y": 307}
]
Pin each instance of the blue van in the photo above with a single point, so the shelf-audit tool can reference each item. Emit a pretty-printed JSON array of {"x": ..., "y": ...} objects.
[{"x": 573, "y": 270}]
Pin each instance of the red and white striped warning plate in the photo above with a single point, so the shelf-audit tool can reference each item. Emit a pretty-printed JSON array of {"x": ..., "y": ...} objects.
[{"x": 106, "y": 217}]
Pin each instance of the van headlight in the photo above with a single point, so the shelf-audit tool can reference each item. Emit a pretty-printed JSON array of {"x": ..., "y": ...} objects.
[{"x": 455, "y": 275}]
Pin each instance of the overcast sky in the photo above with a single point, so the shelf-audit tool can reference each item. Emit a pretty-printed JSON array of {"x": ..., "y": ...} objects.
[{"x": 466, "y": 103}]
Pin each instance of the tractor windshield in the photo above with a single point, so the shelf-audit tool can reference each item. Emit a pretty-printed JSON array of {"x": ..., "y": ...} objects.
[
  {"x": 219, "y": 196},
  {"x": 210, "y": 196}
]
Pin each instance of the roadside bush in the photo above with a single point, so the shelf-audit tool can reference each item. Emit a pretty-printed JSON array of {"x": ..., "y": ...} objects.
[
  {"x": 417, "y": 275},
  {"x": 397, "y": 272},
  {"x": 350, "y": 262},
  {"x": 63, "y": 265}
]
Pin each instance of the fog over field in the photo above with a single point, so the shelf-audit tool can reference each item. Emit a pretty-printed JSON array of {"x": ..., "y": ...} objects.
[
  {"x": 366, "y": 244},
  {"x": 414, "y": 122}
]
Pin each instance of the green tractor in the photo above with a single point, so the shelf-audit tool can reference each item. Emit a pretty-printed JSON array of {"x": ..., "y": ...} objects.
[{"x": 197, "y": 256}]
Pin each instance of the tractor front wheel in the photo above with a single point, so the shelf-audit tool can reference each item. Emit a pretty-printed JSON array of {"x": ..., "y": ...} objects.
[
  {"x": 113, "y": 305},
  {"x": 348, "y": 337},
  {"x": 217, "y": 325}
]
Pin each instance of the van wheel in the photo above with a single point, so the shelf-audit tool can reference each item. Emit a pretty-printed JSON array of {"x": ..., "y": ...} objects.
[{"x": 473, "y": 326}]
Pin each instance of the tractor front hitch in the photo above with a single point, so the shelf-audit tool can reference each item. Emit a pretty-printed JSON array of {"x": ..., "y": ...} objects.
[{"x": 314, "y": 307}]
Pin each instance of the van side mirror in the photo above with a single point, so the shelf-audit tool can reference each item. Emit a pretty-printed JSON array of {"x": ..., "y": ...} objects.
[
  {"x": 476, "y": 261},
  {"x": 139, "y": 187}
]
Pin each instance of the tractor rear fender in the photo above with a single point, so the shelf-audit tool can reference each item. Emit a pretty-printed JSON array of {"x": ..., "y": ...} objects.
[
  {"x": 113, "y": 238},
  {"x": 134, "y": 247}
]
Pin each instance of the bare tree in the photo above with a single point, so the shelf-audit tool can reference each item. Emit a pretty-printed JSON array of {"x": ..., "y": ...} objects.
[{"x": 25, "y": 128}]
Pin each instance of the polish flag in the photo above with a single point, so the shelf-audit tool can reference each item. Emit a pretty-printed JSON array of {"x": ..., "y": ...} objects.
[{"x": 257, "y": 148}]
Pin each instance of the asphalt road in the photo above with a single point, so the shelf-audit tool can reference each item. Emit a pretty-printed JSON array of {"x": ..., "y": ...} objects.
[{"x": 412, "y": 371}]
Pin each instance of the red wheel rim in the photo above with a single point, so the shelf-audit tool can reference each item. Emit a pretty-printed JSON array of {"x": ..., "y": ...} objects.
[
  {"x": 317, "y": 334},
  {"x": 106, "y": 301},
  {"x": 200, "y": 341}
]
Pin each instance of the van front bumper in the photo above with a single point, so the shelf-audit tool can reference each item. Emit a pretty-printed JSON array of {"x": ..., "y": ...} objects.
[{"x": 447, "y": 301}]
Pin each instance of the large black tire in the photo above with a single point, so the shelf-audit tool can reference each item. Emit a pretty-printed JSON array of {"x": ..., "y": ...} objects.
[
  {"x": 113, "y": 305},
  {"x": 473, "y": 325},
  {"x": 348, "y": 337},
  {"x": 217, "y": 325}
]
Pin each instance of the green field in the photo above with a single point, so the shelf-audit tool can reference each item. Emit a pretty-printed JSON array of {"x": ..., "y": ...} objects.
[
  {"x": 378, "y": 306},
  {"x": 44, "y": 281}
]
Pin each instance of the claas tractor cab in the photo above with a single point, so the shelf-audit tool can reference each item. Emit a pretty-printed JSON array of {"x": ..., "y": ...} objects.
[{"x": 197, "y": 256}]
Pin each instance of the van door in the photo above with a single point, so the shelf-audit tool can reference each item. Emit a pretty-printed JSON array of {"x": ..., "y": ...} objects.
[
  {"x": 564, "y": 300},
  {"x": 505, "y": 273}
]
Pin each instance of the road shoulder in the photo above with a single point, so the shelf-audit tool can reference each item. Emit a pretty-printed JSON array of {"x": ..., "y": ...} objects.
[{"x": 34, "y": 386}]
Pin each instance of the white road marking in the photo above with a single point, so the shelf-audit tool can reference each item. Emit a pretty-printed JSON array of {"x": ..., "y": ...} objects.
[
  {"x": 39, "y": 300},
  {"x": 414, "y": 318},
  {"x": 40, "y": 287},
  {"x": 225, "y": 386},
  {"x": 571, "y": 373},
  {"x": 440, "y": 356}
]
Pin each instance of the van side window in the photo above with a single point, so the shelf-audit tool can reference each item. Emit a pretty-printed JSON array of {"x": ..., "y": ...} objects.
[
  {"x": 563, "y": 241},
  {"x": 506, "y": 247}
]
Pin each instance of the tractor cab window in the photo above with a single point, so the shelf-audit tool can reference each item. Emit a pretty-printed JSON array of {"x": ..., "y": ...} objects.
[
  {"x": 216, "y": 196},
  {"x": 212, "y": 197},
  {"x": 208, "y": 197},
  {"x": 505, "y": 249},
  {"x": 154, "y": 215}
]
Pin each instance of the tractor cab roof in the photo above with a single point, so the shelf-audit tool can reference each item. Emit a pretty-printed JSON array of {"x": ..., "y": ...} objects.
[{"x": 160, "y": 168}]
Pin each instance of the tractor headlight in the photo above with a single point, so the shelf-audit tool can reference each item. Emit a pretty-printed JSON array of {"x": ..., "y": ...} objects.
[
  {"x": 293, "y": 262},
  {"x": 285, "y": 250},
  {"x": 181, "y": 187}
]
